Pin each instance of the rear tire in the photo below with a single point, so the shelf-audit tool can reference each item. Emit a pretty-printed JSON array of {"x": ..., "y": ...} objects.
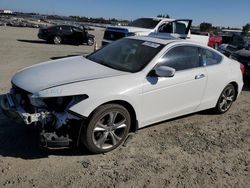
[
  {"x": 225, "y": 100},
  {"x": 107, "y": 129}
]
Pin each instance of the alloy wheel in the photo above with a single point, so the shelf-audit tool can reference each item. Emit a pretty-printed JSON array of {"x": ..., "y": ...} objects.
[
  {"x": 57, "y": 40},
  {"x": 226, "y": 99},
  {"x": 90, "y": 41},
  {"x": 109, "y": 130}
]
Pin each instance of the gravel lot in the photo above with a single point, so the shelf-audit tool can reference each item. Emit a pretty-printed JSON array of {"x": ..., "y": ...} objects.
[{"x": 199, "y": 150}]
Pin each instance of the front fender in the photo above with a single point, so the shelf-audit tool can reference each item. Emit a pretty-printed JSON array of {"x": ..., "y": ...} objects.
[{"x": 86, "y": 107}]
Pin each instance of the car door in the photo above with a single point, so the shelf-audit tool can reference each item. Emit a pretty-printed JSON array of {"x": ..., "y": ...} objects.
[
  {"x": 67, "y": 33},
  {"x": 165, "y": 98},
  {"x": 78, "y": 35}
]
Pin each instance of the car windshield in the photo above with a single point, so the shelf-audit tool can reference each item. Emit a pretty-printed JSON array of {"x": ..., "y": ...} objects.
[
  {"x": 148, "y": 23},
  {"x": 129, "y": 55}
]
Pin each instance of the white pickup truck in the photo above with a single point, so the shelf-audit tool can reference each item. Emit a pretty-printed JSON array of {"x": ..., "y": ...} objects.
[{"x": 158, "y": 27}]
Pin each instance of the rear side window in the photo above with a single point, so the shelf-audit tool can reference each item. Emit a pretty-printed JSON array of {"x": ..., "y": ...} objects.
[
  {"x": 182, "y": 58},
  {"x": 209, "y": 57}
]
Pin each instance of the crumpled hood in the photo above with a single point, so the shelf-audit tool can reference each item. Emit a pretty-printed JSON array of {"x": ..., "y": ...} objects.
[{"x": 59, "y": 72}]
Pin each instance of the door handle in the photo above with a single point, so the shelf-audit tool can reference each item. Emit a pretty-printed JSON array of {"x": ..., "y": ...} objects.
[{"x": 199, "y": 76}]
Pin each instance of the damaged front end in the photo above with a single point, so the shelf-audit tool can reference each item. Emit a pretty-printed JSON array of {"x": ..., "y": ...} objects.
[{"x": 59, "y": 126}]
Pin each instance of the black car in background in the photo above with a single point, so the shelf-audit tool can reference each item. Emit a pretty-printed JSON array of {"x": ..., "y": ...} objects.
[
  {"x": 66, "y": 34},
  {"x": 237, "y": 47},
  {"x": 243, "y": 56},
  {"x": 231, "y": 44}
]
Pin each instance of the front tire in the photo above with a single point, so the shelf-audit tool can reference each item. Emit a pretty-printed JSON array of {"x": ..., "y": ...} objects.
[
  {"x": 91, "y": 41},
  {"x": 57, "y": 40},
  {"x": 225, "y": 100},
  {"x": 107, "y": 129}
]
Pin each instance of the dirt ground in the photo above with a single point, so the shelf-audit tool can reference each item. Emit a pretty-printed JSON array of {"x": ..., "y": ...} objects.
[{"x": 199, "y": 150}]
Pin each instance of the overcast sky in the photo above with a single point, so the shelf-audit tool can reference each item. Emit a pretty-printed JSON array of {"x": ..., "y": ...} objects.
[{"x": 233, "y": 13}]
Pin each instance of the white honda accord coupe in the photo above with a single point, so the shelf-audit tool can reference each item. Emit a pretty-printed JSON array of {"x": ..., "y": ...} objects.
[{"x": 97, "y": 100}]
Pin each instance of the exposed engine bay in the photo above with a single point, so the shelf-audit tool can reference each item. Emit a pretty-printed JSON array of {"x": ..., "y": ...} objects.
[{"x": 51, "y": 115}]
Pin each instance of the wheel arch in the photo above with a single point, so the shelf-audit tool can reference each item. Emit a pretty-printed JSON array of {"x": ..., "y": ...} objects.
[
  {"x": 236, "y": 87},
  {"x": 129, "y": 107}
]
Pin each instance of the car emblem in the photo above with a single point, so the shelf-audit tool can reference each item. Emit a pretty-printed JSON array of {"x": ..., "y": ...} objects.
[{"x": 112, "y": 36}]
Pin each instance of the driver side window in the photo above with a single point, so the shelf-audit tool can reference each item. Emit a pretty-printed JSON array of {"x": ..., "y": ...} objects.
[
  {"x": 166, "y": 28},
  {"x": 173, "y": 27},
  {"x": 67, "y": 29},
  {"x": 76, "y": 29},
  {"x": 182, "y": 58}
]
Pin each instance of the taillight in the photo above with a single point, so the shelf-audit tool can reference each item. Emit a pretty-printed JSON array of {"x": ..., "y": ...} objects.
[{"x": 242, "y": 68}]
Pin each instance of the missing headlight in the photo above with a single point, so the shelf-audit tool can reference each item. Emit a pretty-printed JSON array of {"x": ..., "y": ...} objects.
[
  {"x": 59, "y": 104},
  {"x": 37, "y": 102}
]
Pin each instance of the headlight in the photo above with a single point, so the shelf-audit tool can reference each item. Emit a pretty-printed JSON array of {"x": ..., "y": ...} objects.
[{"x": 57, "y": 104}]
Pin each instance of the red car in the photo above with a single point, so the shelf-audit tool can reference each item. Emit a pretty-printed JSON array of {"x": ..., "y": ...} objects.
[{"x": 214, "y": 41}]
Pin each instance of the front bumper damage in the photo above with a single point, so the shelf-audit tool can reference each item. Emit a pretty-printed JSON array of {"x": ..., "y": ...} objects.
[
  {"x": 16, "y": 112},
  {"x": 54, "y": 130}
]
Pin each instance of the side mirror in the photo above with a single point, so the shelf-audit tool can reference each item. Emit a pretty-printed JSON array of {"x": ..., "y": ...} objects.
[{"x": 164, "y": 71}]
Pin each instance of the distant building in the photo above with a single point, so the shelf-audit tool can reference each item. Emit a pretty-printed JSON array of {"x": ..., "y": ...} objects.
[{"x": 6, "y": 12}]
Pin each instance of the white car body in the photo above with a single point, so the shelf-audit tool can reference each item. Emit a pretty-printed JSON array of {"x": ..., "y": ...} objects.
[
  {"x": 151, "y": 98},
  {"x": 171, "y": 94}
]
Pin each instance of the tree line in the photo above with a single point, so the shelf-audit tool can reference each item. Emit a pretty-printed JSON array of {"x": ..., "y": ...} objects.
[
  {"x": 204, "y": 26},
  {"x": 208, "y": 27}
]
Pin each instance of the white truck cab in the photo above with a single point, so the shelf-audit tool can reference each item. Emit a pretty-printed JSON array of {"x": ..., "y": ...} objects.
[{"x": 157, "y": 27}]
